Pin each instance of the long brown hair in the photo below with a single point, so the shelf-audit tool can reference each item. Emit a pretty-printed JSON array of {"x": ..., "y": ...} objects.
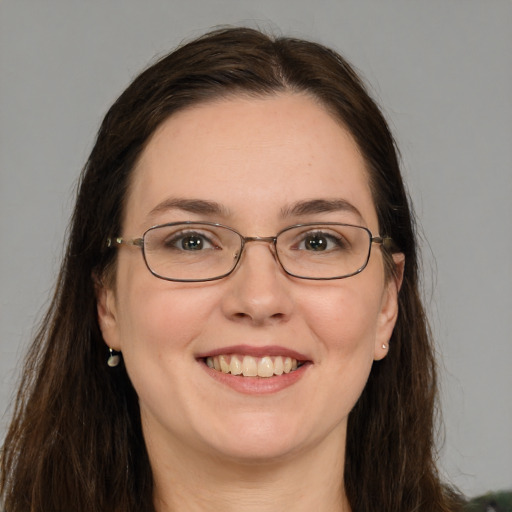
[{"x": 75, "y": 442}]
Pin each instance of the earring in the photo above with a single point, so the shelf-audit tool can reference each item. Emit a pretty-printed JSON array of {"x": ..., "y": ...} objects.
[
  {"x": 384, "y": 346},
  {"x": 114, "y": 358}
]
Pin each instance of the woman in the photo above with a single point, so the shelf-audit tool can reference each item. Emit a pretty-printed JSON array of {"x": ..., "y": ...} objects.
[{"x": 237, "y": 322}]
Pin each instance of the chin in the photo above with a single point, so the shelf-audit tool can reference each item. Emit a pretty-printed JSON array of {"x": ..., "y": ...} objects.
[{"x": 258, "y": 440}]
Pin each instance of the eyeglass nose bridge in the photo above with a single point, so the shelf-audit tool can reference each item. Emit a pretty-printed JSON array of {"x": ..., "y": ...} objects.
[
  {"x": 269, "y": 239},
  {"x": 272, "y": 240}
]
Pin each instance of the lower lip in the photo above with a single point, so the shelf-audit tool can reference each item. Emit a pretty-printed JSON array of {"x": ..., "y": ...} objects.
[{"x": 257, "y": 385}]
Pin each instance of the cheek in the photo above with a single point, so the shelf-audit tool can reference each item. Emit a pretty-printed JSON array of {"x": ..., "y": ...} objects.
[
  {"x": 160, "y": 326},
  {"x": 155, "y": 318},
  {"x": 162, "y": 318},
  {"x": 344, "y": 318}
]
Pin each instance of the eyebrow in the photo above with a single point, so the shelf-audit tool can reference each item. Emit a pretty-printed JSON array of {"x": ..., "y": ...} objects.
[
  {"x": 314, "y": 206},
  {"x": 212, "y": 208},
  {"x": 197, "y": 206}
]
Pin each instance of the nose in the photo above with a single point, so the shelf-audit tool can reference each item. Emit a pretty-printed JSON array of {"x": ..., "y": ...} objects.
[{"x": 259, "y": 288}]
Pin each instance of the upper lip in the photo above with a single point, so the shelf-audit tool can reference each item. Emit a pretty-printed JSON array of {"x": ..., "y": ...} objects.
[{"x": 249, "y": 350}]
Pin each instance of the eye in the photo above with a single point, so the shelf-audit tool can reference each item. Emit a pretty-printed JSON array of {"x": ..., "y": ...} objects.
[
  {"x": 320, "y": 241},
  {"x": 189, "y": 241}
]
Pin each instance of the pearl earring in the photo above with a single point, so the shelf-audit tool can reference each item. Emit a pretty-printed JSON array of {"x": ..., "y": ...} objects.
[
  {"x": 384, "y": 346},
  {"x": 114, "y": 358}
]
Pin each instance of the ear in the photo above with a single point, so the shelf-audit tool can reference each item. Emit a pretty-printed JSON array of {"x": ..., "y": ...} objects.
[
  {"x": 107, "y": 315},
  {"x": 389, "y": 308}
]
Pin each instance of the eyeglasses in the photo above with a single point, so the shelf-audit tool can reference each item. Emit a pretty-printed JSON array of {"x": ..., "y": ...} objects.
[{"x": 204, "y": 251}]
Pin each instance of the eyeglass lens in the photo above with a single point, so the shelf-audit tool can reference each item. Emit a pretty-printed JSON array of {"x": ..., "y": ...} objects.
[{"x": 201, "y": 251}]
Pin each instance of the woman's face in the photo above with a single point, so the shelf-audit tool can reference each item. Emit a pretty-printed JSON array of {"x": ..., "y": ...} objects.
[{"x": 248, "y": 164}]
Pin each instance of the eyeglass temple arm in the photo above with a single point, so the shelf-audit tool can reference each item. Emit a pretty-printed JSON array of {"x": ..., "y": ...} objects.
[
  {"x": 385, "y": 241},
  {"x": 112, "y": 242}
]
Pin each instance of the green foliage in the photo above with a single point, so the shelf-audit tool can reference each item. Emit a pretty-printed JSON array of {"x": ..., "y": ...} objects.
[{"x": 491, "y": 502}]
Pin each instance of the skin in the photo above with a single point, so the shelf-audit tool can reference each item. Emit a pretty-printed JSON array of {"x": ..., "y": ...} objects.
[{"x": 249, "y": 451}]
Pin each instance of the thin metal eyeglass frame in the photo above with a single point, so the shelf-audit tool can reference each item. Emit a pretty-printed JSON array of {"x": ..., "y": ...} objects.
[{"x": 139, "y": 242}]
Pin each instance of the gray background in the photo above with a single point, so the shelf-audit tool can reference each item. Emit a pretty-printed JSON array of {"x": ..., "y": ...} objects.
[{"x": 442, "y": 69}]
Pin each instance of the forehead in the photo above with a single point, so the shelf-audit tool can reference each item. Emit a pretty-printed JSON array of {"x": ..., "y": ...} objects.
[{"x": 254, "y": 157}]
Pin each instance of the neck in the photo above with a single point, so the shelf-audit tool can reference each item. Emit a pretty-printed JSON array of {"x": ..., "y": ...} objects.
[{"x": 198, "y": 482}]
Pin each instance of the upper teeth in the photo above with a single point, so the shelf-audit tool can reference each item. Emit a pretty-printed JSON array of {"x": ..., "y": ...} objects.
[{"x": 249, "y": 366}]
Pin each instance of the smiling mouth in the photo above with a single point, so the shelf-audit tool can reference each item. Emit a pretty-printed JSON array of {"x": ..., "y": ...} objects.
[{"x": 249, "y": 366}]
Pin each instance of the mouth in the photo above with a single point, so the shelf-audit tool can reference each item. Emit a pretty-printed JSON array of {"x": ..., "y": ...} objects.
[
  {"x": 255, "y": 370},
  {"x": 250, "y": 366}
]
